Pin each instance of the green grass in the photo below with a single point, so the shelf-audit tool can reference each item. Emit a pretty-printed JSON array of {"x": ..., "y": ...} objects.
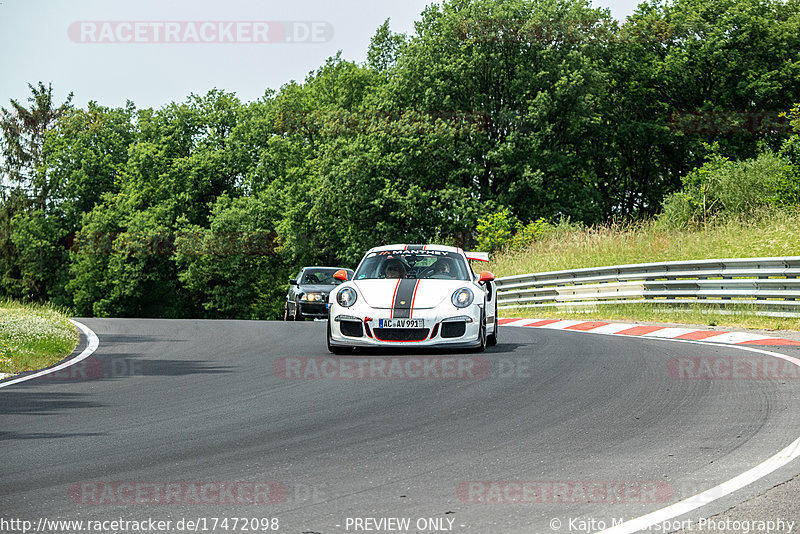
[
  {"x": 33, "y": 336},
  {"x": 772, "y": 233}
]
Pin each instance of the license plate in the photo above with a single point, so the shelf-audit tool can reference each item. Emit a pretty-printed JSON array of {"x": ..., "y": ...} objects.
[{"x": 401, "y": 323}]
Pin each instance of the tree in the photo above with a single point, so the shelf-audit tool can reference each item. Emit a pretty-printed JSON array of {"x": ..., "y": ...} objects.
[
  {"x": 12, "y": 202},
  {"x": 24, "y": 130},
  {"x": 233, "y": 269},
  {"x": 513, "y": 68},
  {"x": 384, "y": 48}
]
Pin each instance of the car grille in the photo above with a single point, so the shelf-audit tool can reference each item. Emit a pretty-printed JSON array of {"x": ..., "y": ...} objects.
[
  {"x": 401, "y": 334},
  {"x": 313, "y": 308},
  {"x": 455, "y": 329}
]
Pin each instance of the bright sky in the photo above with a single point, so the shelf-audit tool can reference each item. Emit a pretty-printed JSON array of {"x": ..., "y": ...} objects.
[{"x": 50, "y": 41}]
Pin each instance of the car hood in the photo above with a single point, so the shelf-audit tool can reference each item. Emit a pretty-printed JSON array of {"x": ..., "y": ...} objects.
[
  {"x": 316, "y": 288},
  {"x": 430, "y": 293}
]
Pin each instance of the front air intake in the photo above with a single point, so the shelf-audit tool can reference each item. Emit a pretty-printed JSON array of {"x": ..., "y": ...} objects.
[
  {"x": 351, "y": 328},
  {"x": 453, "y": 329}
]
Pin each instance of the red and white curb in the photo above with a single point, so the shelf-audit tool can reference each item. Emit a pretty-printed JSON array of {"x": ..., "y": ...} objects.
[{"x": 624, "y": 329}]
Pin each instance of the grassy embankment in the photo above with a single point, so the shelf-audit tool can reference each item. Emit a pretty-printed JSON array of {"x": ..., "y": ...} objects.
[
  {"x": 33, "y": 336},
  {"x": 775, "y": 233}
]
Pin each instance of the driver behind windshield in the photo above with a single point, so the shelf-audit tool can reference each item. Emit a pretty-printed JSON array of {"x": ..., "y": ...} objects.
[
  {"x": 407, "y": 264},
  {"x": 394, "y": 269},
  {"x": 443, "y": 268}
]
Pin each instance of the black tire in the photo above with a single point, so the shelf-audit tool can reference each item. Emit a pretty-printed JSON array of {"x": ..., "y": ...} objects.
[
  {"x": 482, "y": 335},
  {"x": 297, "y": 316},
  {"x": 286, "y": 316},
  {"x": 334, "y": 349},
  {"x": 491, "y": 340}
]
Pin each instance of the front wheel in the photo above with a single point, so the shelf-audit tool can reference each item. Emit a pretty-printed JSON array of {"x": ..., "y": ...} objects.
[
  {"x": 482, "y": 335},
  {"x": 491, "y": 340},
  {"x": 286, "y": 315}
]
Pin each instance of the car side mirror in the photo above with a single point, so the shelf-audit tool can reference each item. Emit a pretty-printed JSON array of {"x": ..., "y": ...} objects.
[
  {"x": 293, "y": 282},
  {"x": 341, "y": 274},
  {"x": 486, "y": 276}
]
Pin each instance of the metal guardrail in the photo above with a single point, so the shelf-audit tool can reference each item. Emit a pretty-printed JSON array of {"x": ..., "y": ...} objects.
[{"x": 769, "y": 284}]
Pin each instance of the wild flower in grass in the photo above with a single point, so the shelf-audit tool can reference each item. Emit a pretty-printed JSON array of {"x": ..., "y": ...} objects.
[
  {"x": 6, "y": 364},
  {"x": 33, "y": 336},
  {"x": 22, "y": 326}
]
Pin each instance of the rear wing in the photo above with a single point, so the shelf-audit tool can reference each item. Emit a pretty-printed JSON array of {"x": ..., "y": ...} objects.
[{"x": 477, "y": 256}]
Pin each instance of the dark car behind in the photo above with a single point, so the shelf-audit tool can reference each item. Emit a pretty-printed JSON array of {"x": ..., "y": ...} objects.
[{"x": 308, "y": 293}]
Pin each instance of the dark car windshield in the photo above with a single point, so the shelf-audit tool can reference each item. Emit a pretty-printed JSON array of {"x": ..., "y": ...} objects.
[
  {"x": 323, "y": 277},
  {"x": 434, "y": 264}
]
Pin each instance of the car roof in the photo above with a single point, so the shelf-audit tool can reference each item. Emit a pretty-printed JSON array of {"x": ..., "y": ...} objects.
[
  {"x": 477, "y": 256},
  {"x": 403, "y": 246},
  {"x": 324, "y": 267}
]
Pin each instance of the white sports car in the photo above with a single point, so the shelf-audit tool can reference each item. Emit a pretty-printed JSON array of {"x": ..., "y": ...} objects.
[{"x": 417, "y": 295}]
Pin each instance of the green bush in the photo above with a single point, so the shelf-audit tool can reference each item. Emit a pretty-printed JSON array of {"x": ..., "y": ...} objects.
[
  {"x": 503, "y": 231},
  {"x": 533, "y": 231},
  {"x": 724, "y": 188},
  {"x": 496, "y": 230}
]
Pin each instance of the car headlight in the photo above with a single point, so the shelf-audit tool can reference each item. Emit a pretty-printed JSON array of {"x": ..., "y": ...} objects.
[
  {"x": 462, "y": 298},
  {"x": 313, "y": 297},
  {"x": 346, "y": 297}
]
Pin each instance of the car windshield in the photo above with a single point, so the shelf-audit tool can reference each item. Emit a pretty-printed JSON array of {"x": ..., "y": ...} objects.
[
  {"x": 433, "y": 264},
  {"x": 319, "y": 277}
]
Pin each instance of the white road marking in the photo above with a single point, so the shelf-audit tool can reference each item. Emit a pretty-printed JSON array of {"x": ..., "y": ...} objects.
[
  {"x": 773, "y": 463},
  {"x": 763, "y": 469}
]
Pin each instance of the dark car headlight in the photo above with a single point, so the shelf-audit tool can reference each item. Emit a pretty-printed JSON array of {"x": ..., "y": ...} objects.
[
  {"x": 462, "y": 297},
  {"x": 346, "y": 297}
]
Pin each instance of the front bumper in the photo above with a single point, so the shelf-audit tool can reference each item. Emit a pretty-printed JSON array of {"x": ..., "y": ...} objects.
[
  {"x": 313, "y": 309},
  {"x": 453, "y": 329}
]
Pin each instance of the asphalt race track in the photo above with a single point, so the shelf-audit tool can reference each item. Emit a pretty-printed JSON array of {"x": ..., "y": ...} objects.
[{"x": 197, "y": 420}]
